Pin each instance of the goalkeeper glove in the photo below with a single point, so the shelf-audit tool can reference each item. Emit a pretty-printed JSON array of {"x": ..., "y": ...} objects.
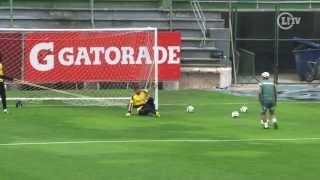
[{"x": 157, "y": 114}]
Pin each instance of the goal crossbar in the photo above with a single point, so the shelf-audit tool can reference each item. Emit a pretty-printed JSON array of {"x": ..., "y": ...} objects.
[{"x": 78, "y": 30}]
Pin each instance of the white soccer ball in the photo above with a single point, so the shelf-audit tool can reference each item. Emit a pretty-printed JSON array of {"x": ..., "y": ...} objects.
[
  {"x": 243, "y": 109},
  {"x": 235, "y": 114},
  {"x": 190, "y": 109}
]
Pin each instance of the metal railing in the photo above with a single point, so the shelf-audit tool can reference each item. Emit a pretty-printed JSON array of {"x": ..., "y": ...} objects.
[
  {"x": 259, "y": 3},
  {"x": 201, "y": 19},
  {"x": 263, "y": 1}
]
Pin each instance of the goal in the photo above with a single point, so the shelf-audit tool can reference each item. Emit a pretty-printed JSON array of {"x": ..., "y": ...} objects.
[{"x": 80, "y": 66}]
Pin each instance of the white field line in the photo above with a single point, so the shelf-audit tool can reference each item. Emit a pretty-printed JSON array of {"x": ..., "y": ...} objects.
[
  {"x": 173, "y": 104},
  {"x": 242, "y": 103},
  {"x": 163, "y": 141}
]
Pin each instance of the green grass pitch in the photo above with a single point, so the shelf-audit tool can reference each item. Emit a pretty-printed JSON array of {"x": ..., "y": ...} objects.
[{"x": 82, "y": 143}]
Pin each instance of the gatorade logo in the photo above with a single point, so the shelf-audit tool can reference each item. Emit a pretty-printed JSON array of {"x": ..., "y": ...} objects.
[
  {"x": 86, "y": 56},
  {"x": 100, "y": 56}
]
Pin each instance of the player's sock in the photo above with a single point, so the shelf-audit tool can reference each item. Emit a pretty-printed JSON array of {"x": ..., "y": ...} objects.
[
  {"x": 275, "y": 123},
  {"x": 265, "y": 125}
]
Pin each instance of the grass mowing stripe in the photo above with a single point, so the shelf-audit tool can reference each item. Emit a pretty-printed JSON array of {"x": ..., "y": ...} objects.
[{"x": 163, "y": 140}]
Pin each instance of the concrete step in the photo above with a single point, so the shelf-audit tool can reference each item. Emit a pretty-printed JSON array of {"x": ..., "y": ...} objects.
[
  {"x": 5, "y": 13},
  {"x": 85, "y": 14},
  {"x": 78, "y": 13},
  {"x": 86, "y": 3},
  {"x": 120, "y": 22},
  {"x": 130, "y": 23},
  {"x": 221, "y": 44},
  {"x": 197, "y": 42},
  {"x": 131, "y": 13},
  {"x": 186, "y": 13},
  {"x": 216, "y": 33},
  {"x": 151, "y": 16},
  {"x": 204, "y": 61},
  {"x": 127, "y": 3},
  {"x": 205, "y": 52},
  {"x": 203, "y": 65},
  {"x": 205, "y": 5},
  {"x": 185, "y": 60},
  {"x": 192, "y": 23},
  {"x": 45, "y": 24},
  {"x": 106, "y": 12},
  {"x": 51, "y": 14},
  {"x": 182, "y": 4},
  {"x": 189, "y": 32},
  {"x": 159, "y": 23},
  {"x": 4, "y": 23}
]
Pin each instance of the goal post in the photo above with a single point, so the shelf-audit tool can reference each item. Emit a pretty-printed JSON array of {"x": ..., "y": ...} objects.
[
  {"x": 156, "y": 71},
  {"x": 80, "y": 66}
]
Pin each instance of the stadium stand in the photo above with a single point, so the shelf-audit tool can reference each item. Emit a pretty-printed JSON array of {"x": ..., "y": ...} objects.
[{"x": 166, "y": 15}]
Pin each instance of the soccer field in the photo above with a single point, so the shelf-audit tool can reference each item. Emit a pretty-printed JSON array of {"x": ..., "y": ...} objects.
[{"x": 40, "y": 141}]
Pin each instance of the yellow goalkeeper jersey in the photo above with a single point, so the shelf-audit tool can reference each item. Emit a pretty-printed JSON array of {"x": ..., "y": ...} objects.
[
  {"x": 1, "y": 72},
  {"x": 140, "y": 98}
]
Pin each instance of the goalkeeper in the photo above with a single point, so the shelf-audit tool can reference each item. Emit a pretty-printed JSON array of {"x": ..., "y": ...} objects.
[
  {"x": 144, "y": 104},
  {"x": 2, "y": 87}
]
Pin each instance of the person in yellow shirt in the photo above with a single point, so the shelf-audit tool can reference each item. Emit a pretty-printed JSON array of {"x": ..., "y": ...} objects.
[
  {"x": 143, "y": 102},
  {"x": 2, "y": 87}
]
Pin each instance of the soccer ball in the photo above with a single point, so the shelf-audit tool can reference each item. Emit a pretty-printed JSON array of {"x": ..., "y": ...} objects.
[
  {"x": 190, "y": 109},
  {"x": 243, "y": 109},
  {"x": 235, "y": 114}
]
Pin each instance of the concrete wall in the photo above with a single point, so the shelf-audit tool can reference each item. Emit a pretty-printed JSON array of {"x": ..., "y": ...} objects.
[{"x": 201, "y": 78}]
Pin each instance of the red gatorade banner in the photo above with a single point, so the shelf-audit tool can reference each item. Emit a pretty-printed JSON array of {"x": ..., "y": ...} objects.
[{"x": 100, "y": 56}]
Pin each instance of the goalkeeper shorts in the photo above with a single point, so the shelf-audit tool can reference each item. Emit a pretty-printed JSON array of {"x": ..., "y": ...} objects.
[{"x": 148, "y": 108}]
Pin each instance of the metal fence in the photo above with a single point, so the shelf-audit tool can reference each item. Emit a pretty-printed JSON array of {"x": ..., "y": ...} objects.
[{"x": 270, "y": 29}]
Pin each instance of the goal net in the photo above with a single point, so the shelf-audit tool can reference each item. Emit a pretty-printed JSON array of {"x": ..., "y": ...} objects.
[{"x": 80, "y": 66}]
